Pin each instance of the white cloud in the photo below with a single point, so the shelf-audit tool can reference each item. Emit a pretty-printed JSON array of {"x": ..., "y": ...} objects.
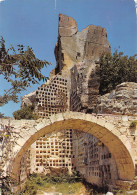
[
  {"x": 136, "y": 6},
  {"x": 1, "y": 0}
]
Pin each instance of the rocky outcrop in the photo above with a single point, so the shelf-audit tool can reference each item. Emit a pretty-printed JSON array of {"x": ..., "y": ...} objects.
[
  {"x": 82, "y": 50},
  {"x": 122, "y": 100},
  {"x": 74, "y": 46},
  {"x": 29, "y": 99},
  {"x": 77, "y": 55}
]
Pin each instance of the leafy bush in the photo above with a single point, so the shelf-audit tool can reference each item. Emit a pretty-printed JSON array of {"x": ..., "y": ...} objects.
[
  {"x": 133, "y": 124},
  {"x": 114, "y": 69},
  {"x": 38, "y": 181},
  {"x": 26, "y": 112}
]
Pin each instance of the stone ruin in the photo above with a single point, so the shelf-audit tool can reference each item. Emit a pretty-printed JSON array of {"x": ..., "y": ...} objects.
[
  {"x": 74, "y": 85},
  {"x": 74, "y": 79}
]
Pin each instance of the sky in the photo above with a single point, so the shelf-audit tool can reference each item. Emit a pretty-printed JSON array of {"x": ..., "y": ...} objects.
[{"x": 35, "y": 23}]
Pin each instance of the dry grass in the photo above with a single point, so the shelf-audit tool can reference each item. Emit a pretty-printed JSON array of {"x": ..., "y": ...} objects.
[{"x": 65, "y": 189}]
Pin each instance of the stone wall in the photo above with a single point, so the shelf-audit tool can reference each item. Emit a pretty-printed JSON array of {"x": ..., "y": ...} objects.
[
  {"x": 52, "y": 151},
  {"x": 94, "y": 161},
  {"x": 52, "y": 97}
]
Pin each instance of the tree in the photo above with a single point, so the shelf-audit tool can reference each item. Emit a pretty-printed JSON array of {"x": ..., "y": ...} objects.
[
  {"x": 116, "y": 68},
  {"x": 26, "y": 112},
  {"x": 20, "y": 68}
]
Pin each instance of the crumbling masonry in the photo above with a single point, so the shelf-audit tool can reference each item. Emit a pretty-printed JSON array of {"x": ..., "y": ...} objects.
[{"x": 73, "y": 85}]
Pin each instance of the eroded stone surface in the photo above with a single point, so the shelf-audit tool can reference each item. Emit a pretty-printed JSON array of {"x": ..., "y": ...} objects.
[
  {"x": 82, "y": 50},
  {"x": 29, "y": 99},
  {"x": 74, "y": 46},
  {"x": 122, "y": 100}
]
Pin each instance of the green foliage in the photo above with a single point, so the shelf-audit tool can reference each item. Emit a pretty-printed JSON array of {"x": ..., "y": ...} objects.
[
  {"x": 41, "y": 181},
  {"x": 20, "y": 68},
  {"x": 61, "y": 178},
  {"x": 26, "y": 112},
  {"x": 64, "y": 183},
  {"x": 116, "y": 68},
  {"x": 133, "y": 124}
]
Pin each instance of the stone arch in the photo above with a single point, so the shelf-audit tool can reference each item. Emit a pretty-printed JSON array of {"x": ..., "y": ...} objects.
[{"x": 98, "y": 126}]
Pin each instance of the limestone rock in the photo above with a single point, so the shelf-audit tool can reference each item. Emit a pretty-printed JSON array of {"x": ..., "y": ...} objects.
[
  {"x": 29, "y": 99},
  {"x": 109, "y": 193},
  {"x": 82, "y": 50},
  {"x": 77, "y": 55},
  {"x": 73, "y": 46},
  {"x": 67, "y": 26},
  {"x": 122, "y": 100},
  {"x": 52, "y": 73}
]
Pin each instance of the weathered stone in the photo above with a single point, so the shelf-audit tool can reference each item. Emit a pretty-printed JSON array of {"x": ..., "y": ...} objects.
[
  {"x": 73, "y": 46},
  {"x": 29, "y": 99},
  {"x": 119, "y": 144},
  {"x": 82, "y": 50},
  {"x": 77, "y": 55},
  {"x": 122, "y": 100},
  {"x": 67, "y": 26}
]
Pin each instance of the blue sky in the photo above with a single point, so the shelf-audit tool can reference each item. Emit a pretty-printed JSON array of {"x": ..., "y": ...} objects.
[{"x": 35, "y": 23}]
